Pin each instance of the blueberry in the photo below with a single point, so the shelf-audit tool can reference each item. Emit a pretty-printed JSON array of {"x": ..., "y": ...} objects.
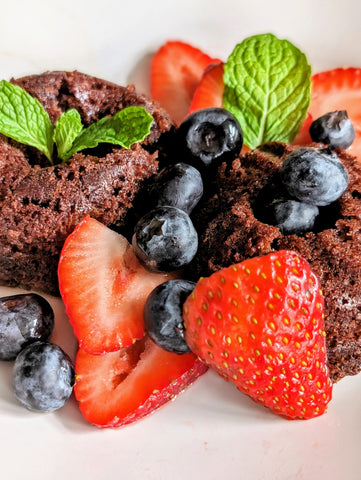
[
  {"x": 43, "y": 377},
  {"x": 334, "y": 129},
  {"x": 293, "y": 217},
  {"x": 24, "y": 318},
  {"x": 163, "y": 315},
  {"x": 165, "y": 239},
  {"x": 209, "y": 137},
  {"x": 314, "y": 176},
  {"x": 178, "y": 185}
]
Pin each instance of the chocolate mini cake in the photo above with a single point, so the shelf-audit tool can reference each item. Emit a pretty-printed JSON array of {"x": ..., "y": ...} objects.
[
  {"x": 231, "y": 228},
  {"x": 41, "y": 204}
]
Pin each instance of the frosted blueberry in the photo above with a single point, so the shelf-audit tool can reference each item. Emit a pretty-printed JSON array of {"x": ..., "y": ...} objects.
[
  {"x": 334, "y": 129},
  {"x": 43, "y": 377},
  {"x": 165, "y": 239},
  {"x": 178, "y": 185},
  {"x": 314, "y": 176},
  {"x": 293, "y": 217},
  {"x": 163, "y": 315},
  {"x": 24, "y": 318}
]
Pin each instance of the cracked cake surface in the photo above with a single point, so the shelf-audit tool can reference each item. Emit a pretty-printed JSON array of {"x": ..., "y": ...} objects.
[{"x": 40, "y": 204}]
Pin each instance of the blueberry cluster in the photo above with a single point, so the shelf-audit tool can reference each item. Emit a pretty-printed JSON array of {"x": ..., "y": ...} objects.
[
  {"x": 165, "y": 238},
  {"x": 43, "y": 375},
  {"x": 312, "y": 177}
]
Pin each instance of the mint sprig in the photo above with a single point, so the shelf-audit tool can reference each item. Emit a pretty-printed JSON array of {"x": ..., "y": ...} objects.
[
  {"x": 128, "y": 126},
  {"x": 67, "y": 128},
  {"x": 267, "y": 88},
  {"x": 24, "y": 119}
]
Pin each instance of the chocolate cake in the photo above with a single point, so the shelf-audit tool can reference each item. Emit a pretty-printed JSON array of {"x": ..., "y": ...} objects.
[
  {"x": 232, "y": 228},
  {"x": 41, "y": 204}
]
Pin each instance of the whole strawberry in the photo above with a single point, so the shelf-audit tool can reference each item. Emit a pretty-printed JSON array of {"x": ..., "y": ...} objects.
[{"x": 260, "y": 324}]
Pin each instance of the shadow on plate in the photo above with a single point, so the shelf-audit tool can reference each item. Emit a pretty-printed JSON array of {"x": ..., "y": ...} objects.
[{"x": 140, "y": 74}]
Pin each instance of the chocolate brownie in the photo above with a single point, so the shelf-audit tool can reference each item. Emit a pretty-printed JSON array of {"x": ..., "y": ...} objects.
[
  {"x": 41, "y": 204},
  {"x": 92, "y": 97},
  {"x": 231, "y": 228}
]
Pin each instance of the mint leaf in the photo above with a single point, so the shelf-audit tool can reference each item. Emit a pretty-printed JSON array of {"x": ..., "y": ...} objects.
[
  {"x": 67, "y": 129},
  {"x": 134, "y": 125},
  {"x": 24, "y": 119},
  {"x": 128, "y": 126},
  {"x": 267, "y": 88}
]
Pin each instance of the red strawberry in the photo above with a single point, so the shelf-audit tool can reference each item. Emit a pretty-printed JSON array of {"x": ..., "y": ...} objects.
[
  {"x": 303, "y": 137},
  {"x": 260, "y": 324},
  {"x": 209, "y": 91},
  {"x": 103, "y": 287},
  {"x": 339, "y": 89},
  {"x": 176, "y": 70},
  {"x": 121, "y": 387}
]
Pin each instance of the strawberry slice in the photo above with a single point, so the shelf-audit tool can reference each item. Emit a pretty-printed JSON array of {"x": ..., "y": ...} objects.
[
  {"x": 339, "y": 89},
  {"x": 303, "y": 137},
  {"x": 209, "y": 91},
  {"x": 121, "y": 387},
  {"x": 176, "y": 70},
  {"x": 103, "y": 287}
]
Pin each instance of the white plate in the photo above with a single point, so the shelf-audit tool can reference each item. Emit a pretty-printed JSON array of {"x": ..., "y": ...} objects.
[{"x": 211, "y": 431}]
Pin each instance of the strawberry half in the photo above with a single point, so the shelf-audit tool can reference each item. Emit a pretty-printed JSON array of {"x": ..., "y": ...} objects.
[
  {"x": 121, "y": 387},
  {"x": 339, "y": 89},
  {"x": 260, "y": 324},
  {"x": 176, "y": 70},
  {"x": 103, "y": 287},
  {"x": 209, "y": 91}
]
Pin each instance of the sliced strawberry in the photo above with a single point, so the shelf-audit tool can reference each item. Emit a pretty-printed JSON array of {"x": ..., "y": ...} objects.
[
  {"x": 103, "y": 287},
  {"x": 176, "y": 70},
  {"x": 339, "y": 89},
  {"x": 121, "y": 387},
  {"x": 303, "y": 137},
  {"x": 209, "y": 91}
]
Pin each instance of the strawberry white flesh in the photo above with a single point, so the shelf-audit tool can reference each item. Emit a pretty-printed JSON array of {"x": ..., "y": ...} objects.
[
  {"x": 177, "y": 68},
  {"x": 121, "y": 387},
  {"x": 104, "y": 287}
]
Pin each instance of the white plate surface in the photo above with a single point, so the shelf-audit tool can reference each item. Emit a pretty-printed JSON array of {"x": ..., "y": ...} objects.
[{"x": 211, "y": 431}]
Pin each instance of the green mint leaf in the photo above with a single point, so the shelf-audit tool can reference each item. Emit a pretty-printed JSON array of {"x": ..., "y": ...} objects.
[
  {"x": 134, "y": 125},
  {"x": 24, "y": 119},
  {"x": 267, "y": 88},
  {"x": 67, "y": 128},
  {"x": 128, "y": 126}
]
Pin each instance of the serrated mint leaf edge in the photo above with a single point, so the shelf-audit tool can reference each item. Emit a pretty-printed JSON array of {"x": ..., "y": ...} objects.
[
  {"x": 143, "y": 120},
  {"x": 107, "y": 129},
  {"x": 67, "y": 128},
  {"x": 24, "y": 131},
  {"x": 254, "y": 138}
]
